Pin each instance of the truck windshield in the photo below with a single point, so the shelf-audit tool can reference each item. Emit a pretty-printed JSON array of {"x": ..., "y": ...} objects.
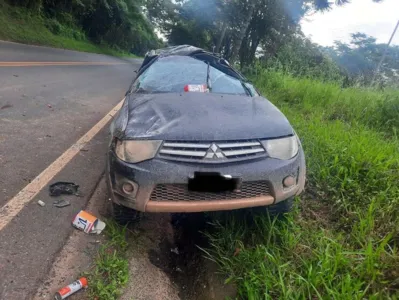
[{"x": 172, "y": 74}]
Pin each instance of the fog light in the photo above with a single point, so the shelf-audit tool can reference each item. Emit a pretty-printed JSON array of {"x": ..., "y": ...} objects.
[
  {"x": 127, "y": 188},
  {"x": 289, "y": 181}
]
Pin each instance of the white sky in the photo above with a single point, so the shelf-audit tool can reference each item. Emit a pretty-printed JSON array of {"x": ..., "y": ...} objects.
[{"x": 375, "y": 19}]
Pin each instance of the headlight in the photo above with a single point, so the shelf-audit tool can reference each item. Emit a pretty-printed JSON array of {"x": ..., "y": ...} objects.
[
  {"x": 136, "y": 151},
  {"x": 284, "y": 148}
]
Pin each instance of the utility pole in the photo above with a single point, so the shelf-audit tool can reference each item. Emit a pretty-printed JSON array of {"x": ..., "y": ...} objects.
[{"x": 377, "y": 70}]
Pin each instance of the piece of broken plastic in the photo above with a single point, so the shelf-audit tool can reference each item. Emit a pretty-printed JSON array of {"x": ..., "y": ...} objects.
[
  {"x": 99, "y": 226},
  {"x": 61, "y": 203},
  {"x": 175, "y": 250},
  {"x": 63, "y": 188}
]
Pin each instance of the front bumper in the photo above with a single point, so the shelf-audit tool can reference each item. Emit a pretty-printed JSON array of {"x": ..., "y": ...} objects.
[{"x": 145, "y": 176}]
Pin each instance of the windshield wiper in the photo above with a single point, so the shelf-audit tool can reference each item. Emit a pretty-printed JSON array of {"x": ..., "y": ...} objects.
[
  {"x": 208, "y": 78},
  {"x": 247, "y": 90}
]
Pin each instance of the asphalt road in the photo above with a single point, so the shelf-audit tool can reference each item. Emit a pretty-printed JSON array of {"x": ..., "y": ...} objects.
[{"x": 49, "y": 98}]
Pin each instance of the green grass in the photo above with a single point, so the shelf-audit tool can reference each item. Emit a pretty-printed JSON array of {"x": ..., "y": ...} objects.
[
  {"x": 20, "y": 25},
  {"x": 111, "y": 270},
  {"x": 376, "y": 109},
  {"x": 342, "y": 241}
]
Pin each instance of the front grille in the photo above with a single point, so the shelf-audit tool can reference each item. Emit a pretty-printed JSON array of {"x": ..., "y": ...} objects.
[
  {"x": 180, "y": 192},
  {"x": 211, "y": 151}
]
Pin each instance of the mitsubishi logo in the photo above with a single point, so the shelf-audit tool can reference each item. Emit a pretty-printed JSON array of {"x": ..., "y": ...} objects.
[{"x": 214, "y": 152}]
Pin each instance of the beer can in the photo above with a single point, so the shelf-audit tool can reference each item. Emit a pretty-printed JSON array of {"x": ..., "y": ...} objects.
[{"x": 71, "y": 289}]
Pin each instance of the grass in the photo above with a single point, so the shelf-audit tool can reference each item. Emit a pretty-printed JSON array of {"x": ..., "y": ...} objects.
[
  {"x": 111, "y": 270},
  {"x": 370, "y": 107},
  {"x": 20, "y": 25},
  {"x": 342, "y": 240}
]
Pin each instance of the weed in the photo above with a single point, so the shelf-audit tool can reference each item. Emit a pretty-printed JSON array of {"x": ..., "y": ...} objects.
[{"x": 111, "y": 271}]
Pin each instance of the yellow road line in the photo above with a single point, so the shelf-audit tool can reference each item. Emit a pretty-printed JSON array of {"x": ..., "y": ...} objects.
[
  {"x": 16, "y": 204},
  {"x": 56, "y": 63}
]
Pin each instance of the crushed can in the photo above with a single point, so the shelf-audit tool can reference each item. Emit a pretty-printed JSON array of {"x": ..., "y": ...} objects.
[
  {"x": 88, "y": 223},
  {"x": 71, "y": 289}
]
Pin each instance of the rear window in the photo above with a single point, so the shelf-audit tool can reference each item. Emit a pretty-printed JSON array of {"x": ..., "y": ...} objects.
[{"x": 172, "y": 74}]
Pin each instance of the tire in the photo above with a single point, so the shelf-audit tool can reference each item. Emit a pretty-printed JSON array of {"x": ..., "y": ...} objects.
[{"x": 123, "y": 215}]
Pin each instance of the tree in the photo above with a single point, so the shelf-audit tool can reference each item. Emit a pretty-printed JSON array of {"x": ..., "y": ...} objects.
[
  {"x": 361, "y": 56},
  {"x": 236, "y": 27},
  {"x": 288, "y": 15}
]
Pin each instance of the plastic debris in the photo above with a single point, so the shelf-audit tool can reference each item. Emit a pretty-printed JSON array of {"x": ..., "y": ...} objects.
[
  {"x": 41, "y": 203},
  {"x": 88, "y": 223},
  {"x": 65, "y": 188},
  {"x": 61, "y": 203},
  {"x": 71, "y": 289},
  {"x": 6, "y": 106},
  {"x": 175, "y": 250},
  {"x": 49, "y": 106}
]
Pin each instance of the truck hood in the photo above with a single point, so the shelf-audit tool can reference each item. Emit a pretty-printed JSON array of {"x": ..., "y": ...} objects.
[{"x": 199, "y": 116}]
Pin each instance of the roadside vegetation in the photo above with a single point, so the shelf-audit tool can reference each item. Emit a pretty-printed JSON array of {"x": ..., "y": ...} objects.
[
  {"x": 109, "y": 27},
  {"x": 342, "y": 240},
  {"x": 111, "y": 267}
]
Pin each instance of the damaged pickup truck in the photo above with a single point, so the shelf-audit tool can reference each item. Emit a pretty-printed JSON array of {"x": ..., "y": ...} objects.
[{"x": 194, "y": 135}]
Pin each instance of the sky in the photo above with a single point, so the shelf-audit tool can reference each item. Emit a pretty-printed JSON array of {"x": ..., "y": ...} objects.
[{"x": 375, "y": 19}]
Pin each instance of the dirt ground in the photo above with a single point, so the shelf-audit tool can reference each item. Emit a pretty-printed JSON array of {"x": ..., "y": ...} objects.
[{"x": 165, "y": 261}]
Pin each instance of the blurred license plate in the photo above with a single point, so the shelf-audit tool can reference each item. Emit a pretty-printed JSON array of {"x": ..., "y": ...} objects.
[{"x": 213, "y": 182}]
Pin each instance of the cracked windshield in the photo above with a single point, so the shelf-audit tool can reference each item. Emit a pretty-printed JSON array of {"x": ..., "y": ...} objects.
[{"x": 199, "y": 149}]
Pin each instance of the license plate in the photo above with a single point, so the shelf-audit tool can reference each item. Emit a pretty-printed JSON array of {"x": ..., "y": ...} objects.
[{"x": 213, "y": 182}]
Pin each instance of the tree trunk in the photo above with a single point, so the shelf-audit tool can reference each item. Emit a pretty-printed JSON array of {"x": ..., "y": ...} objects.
[
  {"x": 242, "y": 51},
  {"x": 221, "y": 38},
  {"x": 254, "y": 46},
  {"x": 244, "y": 48},
  {"x": 227, "y": 47},
  {"x": 241, "y": 35}
]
